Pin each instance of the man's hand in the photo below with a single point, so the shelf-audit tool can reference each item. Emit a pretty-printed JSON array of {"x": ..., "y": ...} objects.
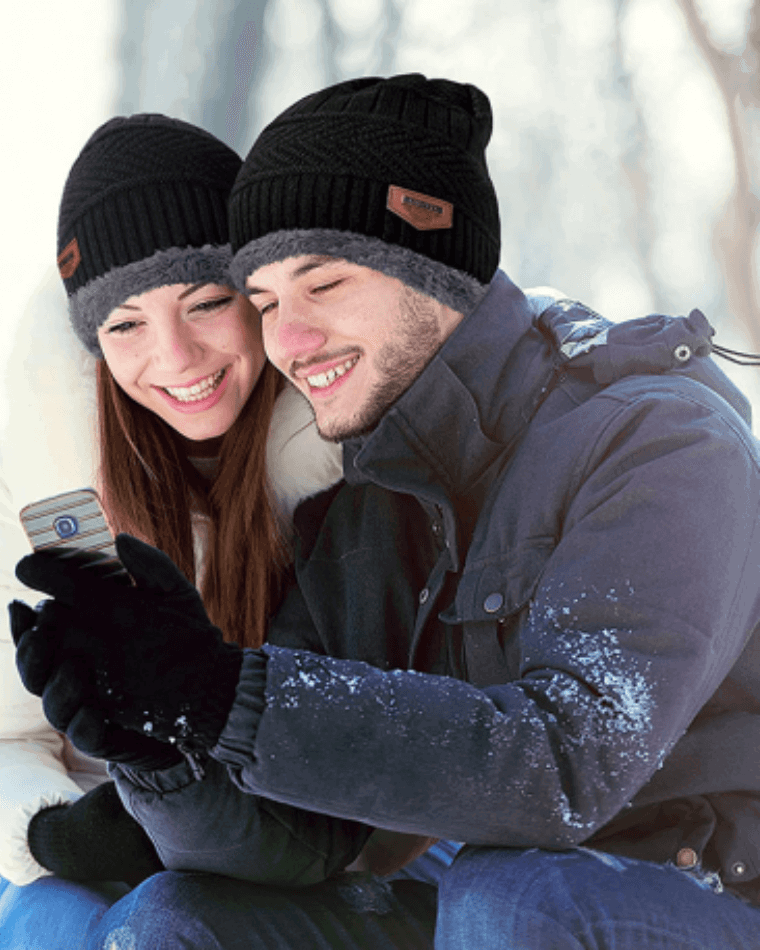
[{"x": 108, "y": 658}]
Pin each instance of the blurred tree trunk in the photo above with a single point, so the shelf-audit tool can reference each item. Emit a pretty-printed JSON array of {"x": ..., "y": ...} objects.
[
  {"x": 382, "y": 59},
  {"x": 738, "y": 79},
  {"x": 636, "y": 159},
  {"x": 228, "y": 89},
  {"x": 201, "y": 61},
  {"x": 389, "y": 37},
  {"x": 332, "y": 41}
]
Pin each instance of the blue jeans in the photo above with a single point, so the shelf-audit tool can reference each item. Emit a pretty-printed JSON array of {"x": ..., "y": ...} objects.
[
  {"x": 52, "y": 914},
  {"x": 490, "y": 898},
  {"x": 208, "y": 912},
  {"x": 505, "y": 899}
]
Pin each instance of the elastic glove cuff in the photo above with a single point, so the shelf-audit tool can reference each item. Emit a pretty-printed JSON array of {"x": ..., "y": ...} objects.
[
  {"x": 242, "y": 724},
  {"x": 204, "y": 725}
]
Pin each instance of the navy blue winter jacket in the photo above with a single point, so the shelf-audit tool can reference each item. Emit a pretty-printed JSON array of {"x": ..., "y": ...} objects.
[{"x": 524, "y": 619}]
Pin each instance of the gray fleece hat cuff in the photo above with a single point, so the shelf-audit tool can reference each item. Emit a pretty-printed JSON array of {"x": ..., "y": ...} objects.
[
  {"x": 451, "y": 287},
  {"x": 90, "y": 305}
]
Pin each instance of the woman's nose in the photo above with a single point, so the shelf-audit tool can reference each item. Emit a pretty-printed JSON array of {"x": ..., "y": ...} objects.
[{"x": 175, "y": 348}]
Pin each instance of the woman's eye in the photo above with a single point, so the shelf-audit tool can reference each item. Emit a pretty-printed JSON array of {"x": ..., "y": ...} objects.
[
  {"x": 124, "y": 327},
  {"x": 265, "y": 307}
]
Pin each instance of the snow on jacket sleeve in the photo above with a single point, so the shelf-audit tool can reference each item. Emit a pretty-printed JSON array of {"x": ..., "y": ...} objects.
[{"x": 637, "y": 615}]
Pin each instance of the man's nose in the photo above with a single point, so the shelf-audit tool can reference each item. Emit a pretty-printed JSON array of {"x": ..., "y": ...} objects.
[{"x": 296, "y": 339}]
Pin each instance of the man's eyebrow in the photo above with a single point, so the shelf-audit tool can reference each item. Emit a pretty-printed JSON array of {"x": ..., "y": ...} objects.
[{"x": 318, "y": 260}]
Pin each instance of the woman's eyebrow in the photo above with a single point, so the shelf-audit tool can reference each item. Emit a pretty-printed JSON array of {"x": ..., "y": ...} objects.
[
  {"x": 185, "y": 293},
  {"x": 191, "y": 290}
]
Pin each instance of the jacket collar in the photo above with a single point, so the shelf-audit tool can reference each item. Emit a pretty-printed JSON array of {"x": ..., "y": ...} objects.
[{"x": 440, "y": 439}]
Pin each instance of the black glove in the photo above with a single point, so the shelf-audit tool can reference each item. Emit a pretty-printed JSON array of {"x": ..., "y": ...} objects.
[
  {"x": 94, "y": 839},
  {"x": 92, "y": 733},
  {"x": 144, "y": 658}
]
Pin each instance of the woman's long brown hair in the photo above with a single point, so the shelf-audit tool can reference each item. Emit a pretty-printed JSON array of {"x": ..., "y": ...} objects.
[{"x": 149, "y": 489}]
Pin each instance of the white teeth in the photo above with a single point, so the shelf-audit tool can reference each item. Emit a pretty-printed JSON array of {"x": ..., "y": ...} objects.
[
  {"x": 324, "y": 379},
  {"x": 198, "y": 390}
]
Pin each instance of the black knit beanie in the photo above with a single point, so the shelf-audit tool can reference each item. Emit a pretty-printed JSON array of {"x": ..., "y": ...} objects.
[
  {"x": 387, "y": 173},
  {"x": 144, "y": 206}
]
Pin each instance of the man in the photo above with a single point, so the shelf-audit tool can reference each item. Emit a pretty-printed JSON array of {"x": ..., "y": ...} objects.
[{"x": 525, "y": 619}]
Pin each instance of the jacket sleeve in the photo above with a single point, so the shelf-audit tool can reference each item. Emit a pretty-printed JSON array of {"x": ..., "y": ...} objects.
[
  {"x": 212, "y": 825},
  {"x": 639, "y": 612}
]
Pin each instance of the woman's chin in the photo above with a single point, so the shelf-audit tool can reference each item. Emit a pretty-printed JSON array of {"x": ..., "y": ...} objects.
[{"x": 200, "y": 432}]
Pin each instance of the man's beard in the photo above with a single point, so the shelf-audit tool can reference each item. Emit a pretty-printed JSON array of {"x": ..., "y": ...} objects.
[{"x": 398, "y": 364}]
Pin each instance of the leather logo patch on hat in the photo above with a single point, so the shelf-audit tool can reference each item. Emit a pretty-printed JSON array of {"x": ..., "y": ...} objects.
[
  {"x": 69, "y": 258},
  {"x": 421, "y": 211}
]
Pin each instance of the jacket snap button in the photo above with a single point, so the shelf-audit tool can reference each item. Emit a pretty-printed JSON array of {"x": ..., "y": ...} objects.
[
  {"x": 492, "y": 603},
  {"x": 682, "y": 353},
  {"x": 424, "y": 594},
  {"x": 687, "y": 858},
  {"x": 739, "y": 869}
]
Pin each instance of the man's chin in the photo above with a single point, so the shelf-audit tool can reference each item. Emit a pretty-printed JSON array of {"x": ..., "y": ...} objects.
[{"x": 339, "y": 430}]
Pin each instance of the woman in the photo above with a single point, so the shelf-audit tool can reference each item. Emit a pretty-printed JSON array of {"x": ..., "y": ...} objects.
[{"x": 194, "y": 428}]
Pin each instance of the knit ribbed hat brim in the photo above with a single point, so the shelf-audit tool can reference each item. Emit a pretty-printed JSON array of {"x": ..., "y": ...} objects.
[{"x": 451, "y": 287}]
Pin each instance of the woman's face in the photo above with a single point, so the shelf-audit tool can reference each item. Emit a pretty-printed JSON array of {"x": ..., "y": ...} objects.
[{"x": 191, "y": 353}]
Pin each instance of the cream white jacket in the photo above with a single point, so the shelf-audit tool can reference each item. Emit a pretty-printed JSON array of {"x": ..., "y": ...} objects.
[{"x": 47, "y": 445}]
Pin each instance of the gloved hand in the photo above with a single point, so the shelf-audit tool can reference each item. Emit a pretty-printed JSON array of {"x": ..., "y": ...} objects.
[
  {"x": 145, "y": 658},
  {"x": 93, "y": 735},
  {"x": 94, "y": 839}
]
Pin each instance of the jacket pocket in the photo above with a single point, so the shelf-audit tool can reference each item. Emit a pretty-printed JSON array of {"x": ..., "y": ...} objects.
[{"x": 491, "y": 599}]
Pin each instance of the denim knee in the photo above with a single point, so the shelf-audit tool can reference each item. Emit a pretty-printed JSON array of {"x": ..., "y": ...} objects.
[
  {"x": 162, "y": 912},
  {"x": 502, "y": 898},
  {"x": 477, "y": 904}
]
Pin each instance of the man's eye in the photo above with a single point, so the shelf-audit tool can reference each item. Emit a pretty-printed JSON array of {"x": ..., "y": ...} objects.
[
  {"x": 215, "y": 303},
  {"x": 264, "y": 307},
  {"x": 323, "y": 287}
]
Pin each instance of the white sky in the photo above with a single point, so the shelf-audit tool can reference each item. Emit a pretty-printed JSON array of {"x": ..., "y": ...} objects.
[{"x": 57, "y": 73}]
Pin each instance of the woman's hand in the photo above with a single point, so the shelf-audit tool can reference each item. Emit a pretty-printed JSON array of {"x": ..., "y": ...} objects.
[
  {"x": 94, "y": 839},
  {"x": 107, "y": 658}
]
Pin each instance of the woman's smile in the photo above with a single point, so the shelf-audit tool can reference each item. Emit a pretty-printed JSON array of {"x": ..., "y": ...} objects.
[{"x": 191, "y": 354}]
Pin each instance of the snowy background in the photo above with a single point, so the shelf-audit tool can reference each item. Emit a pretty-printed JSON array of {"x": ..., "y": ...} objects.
[{"x": 625, "y": 152}]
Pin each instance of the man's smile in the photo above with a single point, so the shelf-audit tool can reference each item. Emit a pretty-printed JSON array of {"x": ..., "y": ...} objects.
[{"x": 325, "y": 378}]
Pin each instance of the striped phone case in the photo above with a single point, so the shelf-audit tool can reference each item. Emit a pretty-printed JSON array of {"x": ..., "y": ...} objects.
[{"x": 71, "y": 523}]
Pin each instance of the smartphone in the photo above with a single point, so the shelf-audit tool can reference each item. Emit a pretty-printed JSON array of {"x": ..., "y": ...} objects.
[{"x": 74, "y": 523}]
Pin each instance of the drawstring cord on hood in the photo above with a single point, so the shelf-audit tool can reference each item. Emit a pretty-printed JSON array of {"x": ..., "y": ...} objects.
[
  {"x": 649, "y": 344},
  {"x": 747, "y": 359}
]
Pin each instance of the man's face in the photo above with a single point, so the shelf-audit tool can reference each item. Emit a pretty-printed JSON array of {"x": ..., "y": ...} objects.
[{"x": 350, "y": 338}]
